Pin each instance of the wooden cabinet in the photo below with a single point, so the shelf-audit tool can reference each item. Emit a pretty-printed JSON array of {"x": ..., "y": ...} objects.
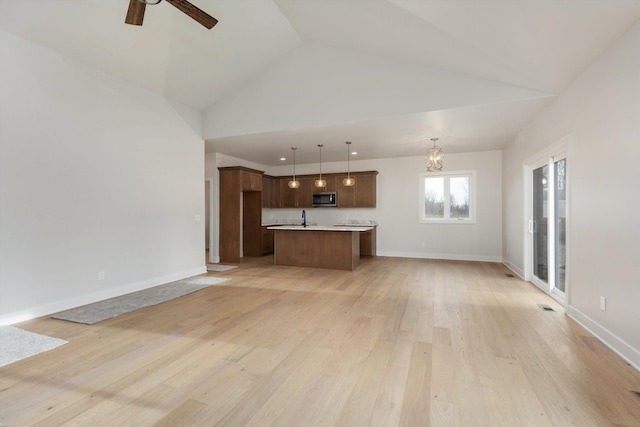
[
  {"x": 365, "y": 190},
  {"x": 317, "y": 248},
  {"x": 250, "y": 180},
  {"x": 346, "y": 195},
  {"x": 362, "y": 194},
  {"x": 301, "y": 197},
  {"x": 368, "y": 242},
  {"x": 251, "y": 223},
  {"x": 267, "y": 186},
  {"x": 270, "y": 192},
  {"x": 229, "y": 215},
  {"x": 288, "y": 196},
  {"x": 275, "y": 193},
  {"x": 267, "y": 241},
  {"x": 305, "y": 192},
  {"x": 331, "y": 183},
  {"x": 251, "y": 189},
  {"x": 238, "y": 183}
]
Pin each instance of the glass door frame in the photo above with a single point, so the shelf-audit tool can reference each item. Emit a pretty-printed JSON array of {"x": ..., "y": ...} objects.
[
  {"x": 535, "y": 224},
  {"x": 557, "y": 151}
]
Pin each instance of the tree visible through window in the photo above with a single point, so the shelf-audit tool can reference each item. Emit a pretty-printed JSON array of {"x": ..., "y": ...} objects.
[
  {"x": 447, "y": 197},
  {"x": 434, "y": 197}
]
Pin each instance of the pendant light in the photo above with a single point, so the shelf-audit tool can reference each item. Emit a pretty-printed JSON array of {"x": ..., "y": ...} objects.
[
  {"x": 320, "y": 183},
  {"x": 294, "y": 183},
  {"x": 435, "y": 155},
  {"x": 348, "y": 181}
]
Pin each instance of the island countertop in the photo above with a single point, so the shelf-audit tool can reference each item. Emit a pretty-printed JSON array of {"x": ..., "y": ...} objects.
[{"x": 319, "y": 228}]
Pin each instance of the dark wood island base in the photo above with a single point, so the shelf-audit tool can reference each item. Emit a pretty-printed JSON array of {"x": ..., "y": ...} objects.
[{"x": 323, "y": 248}]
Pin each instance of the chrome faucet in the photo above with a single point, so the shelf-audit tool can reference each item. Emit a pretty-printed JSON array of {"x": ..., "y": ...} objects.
[{"x": 304, "y": 218}]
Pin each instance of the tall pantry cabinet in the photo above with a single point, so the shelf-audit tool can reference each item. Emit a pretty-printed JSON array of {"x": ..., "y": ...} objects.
[{"x": 240, "y": 212}]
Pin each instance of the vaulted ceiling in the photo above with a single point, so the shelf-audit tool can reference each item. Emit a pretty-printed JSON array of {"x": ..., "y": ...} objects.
[{"x": 385, "y": 74}]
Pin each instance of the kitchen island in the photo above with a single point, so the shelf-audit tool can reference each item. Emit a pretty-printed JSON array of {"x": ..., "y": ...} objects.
[{"x": 318, "y": 246}]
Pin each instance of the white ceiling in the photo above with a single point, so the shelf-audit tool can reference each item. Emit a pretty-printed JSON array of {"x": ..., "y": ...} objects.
[{"x": 385, "y": 74}]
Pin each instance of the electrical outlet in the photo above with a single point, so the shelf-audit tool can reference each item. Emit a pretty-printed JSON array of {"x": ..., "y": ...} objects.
[
  {"x": 100, "y": 275},
  {"x": 603, "y": 304},
  {"x": 422, "y": 244},
  {"x": 197, "y": 217}
]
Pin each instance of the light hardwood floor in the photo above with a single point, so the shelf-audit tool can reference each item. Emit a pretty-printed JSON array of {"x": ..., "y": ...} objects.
[{"x": 397, "y": 342}]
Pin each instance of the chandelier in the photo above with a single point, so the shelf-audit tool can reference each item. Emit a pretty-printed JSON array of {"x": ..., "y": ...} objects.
[{"x": 434, "y": 157}]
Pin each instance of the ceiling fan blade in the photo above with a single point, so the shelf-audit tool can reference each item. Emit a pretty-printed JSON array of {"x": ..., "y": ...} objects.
[
  {"x": 194, "y": 12},
  {"x": 135, "y": 13}
]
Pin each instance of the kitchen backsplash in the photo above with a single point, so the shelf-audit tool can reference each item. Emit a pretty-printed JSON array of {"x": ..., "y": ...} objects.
[
  {"x": 278, "y": 221},
  {"x": 369, "y": 222},
  {"x": 320, "y": 216}
]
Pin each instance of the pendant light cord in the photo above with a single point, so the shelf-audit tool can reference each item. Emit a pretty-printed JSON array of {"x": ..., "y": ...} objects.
[{"x": 348, "y": 163}]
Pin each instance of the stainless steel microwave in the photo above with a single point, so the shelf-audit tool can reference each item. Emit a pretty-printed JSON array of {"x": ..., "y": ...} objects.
[{"x": 326, "y": 199}]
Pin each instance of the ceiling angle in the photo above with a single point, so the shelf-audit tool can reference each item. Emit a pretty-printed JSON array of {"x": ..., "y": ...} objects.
[{"x": 135, "y": 13}]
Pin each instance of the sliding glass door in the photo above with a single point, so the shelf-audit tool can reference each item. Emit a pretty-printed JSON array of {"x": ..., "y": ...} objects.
[
  {"x": 548, "y": 223},
  {"x": 540, "y": 226},
  {"x": 560, "y": 222}
]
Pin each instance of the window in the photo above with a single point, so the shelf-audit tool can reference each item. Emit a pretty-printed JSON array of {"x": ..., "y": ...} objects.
[{"x": 448, "y": 197}]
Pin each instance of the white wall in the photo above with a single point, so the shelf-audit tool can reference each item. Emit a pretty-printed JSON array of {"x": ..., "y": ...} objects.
[
  {"x": 399, "y": 232},
  {"x": 95, "y": 175},
  {"x": 601, "y": 112},
  {"x": 192, "y": 117}
]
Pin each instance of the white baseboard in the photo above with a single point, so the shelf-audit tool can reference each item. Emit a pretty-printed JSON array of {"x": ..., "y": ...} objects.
[
  {"x": 449, "y": 257},
  {"x": 513, "y": 268},
  {"x": 77, "y": 301},
  {"x": 615, "y": 343}
]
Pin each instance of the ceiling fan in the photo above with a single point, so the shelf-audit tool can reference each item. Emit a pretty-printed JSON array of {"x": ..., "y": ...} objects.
[{"x": 135, "y": 13}]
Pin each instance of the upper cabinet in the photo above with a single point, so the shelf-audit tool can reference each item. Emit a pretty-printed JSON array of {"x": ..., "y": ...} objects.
[
  {"x": 270, "y": 192},
  {"x": 346, "y": 195},
  {"x": 250, "y": 180},
  {"x": 365, "y": 189},
  {"x": 300, "y": 197},
  {"x": 288, "y": 196},
  {"x": 332, "y": 180},
  {"x": 277, "y": 194},
  {"x": 305, "y": 192},
  {"x": 360, "y": 195}
]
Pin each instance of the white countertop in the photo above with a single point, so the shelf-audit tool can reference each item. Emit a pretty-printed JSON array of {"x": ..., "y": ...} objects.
[{"x": 319, "y": 228}]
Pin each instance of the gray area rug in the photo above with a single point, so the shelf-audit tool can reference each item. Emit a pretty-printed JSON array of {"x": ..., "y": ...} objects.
[
  {"x": 219, "y": 267},
  {"x": 17, "y": 344},
  {"x": 102, "y": 310}
]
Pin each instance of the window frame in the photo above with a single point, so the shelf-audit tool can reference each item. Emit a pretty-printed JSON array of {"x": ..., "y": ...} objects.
[{"x": 471, "y": 174}]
